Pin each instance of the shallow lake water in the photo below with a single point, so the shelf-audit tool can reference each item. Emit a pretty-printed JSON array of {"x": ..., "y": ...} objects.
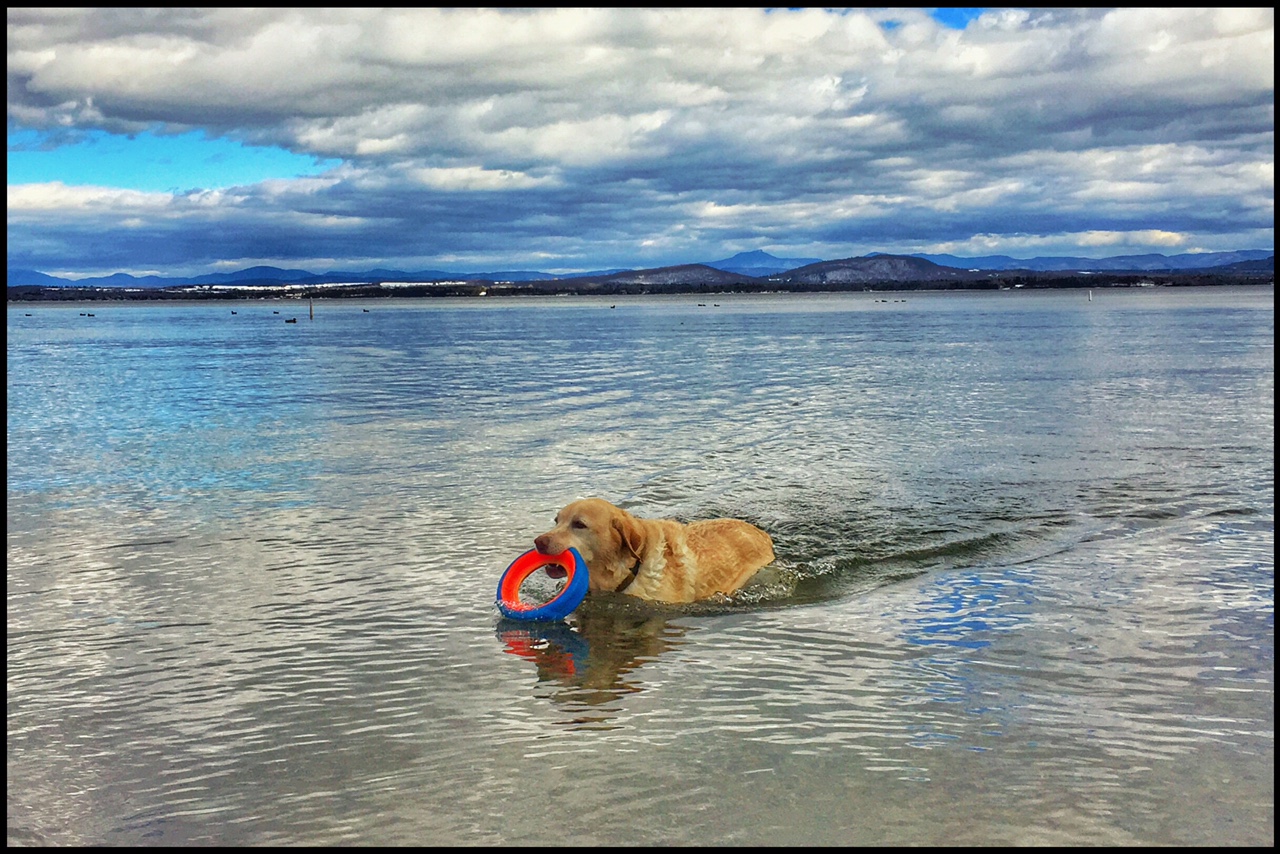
[{"x": 1024, "y": 591}]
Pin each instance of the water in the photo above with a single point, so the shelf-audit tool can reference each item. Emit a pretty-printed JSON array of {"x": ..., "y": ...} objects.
[{"x": 1024, "y": 592}]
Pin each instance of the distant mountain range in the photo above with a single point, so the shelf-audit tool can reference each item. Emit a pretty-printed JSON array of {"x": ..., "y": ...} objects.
[
  {"x": 1121, "y": 263},
  {"x": 753, "y": 265}
]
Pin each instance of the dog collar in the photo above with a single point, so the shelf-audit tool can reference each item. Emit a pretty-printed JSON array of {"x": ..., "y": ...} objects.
[{"x": 635, "y": 571}]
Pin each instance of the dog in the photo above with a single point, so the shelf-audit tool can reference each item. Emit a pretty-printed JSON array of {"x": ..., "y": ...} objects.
[{"x": 660, "y": 560}]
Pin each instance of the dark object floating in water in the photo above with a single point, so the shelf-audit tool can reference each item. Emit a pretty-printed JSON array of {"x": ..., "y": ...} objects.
[
  {"x": 292, "y": 320},
  {"x": 275, "y": 312},
  {"x": 365, "y": 310},
  {"x": 233, "y": 312}
]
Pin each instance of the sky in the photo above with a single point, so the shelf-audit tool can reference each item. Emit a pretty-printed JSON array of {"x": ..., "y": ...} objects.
[{"x": 189, "y": 141}]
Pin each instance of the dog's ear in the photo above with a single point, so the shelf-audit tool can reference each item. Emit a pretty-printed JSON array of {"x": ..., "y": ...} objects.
[{"x": 631, "y": 532}]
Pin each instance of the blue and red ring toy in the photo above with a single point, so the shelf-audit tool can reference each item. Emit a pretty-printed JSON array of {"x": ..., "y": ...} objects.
[{"x": 557, "y": 607}]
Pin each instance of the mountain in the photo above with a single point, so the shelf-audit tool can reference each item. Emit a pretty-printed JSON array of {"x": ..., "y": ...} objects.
[
  {"x": 682, "y": 274},
  {"x": 32, "y": 277},
  {"x": 874, "y": 268},
  {"x": 252, "y": 274},
  {"x": 1132, "y": 263},
  {"x": 1264, "y": 265},
  {"x": 124, "y": 280},
  {"x": 263, "y": 275},
  {"x": 751, "y": 265},
  {"x": 759, "y": 264}
]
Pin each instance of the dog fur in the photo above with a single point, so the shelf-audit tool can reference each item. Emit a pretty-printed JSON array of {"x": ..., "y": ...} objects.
[{"x": 660, "y": 560}]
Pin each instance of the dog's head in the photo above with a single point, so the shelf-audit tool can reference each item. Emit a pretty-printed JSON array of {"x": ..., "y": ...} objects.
[{"x": 610, "y": 540}]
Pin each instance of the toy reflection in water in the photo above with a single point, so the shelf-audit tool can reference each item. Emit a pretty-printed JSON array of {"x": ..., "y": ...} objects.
[{"x": 590, "y": 657}]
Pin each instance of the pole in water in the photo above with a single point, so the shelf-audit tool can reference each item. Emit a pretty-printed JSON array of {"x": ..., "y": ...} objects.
[{"x": 313, "y": 307}]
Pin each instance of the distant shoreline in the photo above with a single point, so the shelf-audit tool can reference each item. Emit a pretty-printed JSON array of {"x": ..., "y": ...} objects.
[{"x": 1021, "y": 280}]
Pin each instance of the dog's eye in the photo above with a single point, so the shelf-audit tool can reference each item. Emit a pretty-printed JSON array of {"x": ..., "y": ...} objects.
[{"x": 578, "y": 523}]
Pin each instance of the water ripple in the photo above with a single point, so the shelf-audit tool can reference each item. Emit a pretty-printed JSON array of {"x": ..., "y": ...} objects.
[{"x": 1024, "y": 592}]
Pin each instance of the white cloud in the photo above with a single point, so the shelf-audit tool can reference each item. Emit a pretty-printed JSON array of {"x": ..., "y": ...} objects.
[
  {"x": 55, "y": 196},
  {"x": 594, "y": 130},
  {"x": 476, "y": 178},
  {"x": 1079, "y": 243},
  {"x": 1150, "y": 237}
]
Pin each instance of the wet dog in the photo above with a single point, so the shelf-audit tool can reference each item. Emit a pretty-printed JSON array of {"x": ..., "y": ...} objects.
[{"x": 661, "y": 560}]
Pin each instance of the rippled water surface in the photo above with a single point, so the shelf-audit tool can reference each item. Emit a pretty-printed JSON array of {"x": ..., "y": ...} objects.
[{"x": 1024, "y": 591}]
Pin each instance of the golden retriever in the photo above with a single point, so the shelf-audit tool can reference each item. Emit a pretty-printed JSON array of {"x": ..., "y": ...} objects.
[{"x": 660, "y": 560}]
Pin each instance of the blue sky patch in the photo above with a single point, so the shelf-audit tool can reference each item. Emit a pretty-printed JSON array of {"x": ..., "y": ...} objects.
[
  {"x": 150, "y": 162},
  {"x": 957, "y": 19}
]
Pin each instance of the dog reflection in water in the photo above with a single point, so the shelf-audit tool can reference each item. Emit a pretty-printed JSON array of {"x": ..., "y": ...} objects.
[{"x": 592, "y": 661}]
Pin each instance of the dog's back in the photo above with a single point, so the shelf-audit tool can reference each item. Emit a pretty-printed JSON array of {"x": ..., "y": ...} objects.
[
  {"x": 729, "y": 552},
  {"x": 685, "y": 563}
]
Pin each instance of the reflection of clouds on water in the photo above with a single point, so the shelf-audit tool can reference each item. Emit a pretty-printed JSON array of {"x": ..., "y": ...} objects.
[
  {"x": 958, "y": 614},
  {"x": 1117, "y": 652},
  {"x": 1023, "y": 588},
  {"x": 968, "y": 607}
]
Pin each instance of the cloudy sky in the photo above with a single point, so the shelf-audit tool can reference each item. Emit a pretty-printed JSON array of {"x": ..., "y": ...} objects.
[{"x": 187, "y": 141}]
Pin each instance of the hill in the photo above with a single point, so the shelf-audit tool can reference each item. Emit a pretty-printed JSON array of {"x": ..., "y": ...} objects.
[
  {"x": 873, "y": 269},
  {"x": 1115, "y": 263},
  {"x": 653, "y": 280},
  {"x": 1264, "y": 265}
]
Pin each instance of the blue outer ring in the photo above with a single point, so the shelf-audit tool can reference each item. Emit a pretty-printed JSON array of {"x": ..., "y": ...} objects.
[{"x": 558, "y": 607}]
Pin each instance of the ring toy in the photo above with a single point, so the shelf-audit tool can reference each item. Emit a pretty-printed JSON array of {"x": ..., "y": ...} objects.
[{"x": 557, "y": 607}]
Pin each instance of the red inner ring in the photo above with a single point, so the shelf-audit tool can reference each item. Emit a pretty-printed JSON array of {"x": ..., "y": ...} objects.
[{"x": 526, "y": 565}]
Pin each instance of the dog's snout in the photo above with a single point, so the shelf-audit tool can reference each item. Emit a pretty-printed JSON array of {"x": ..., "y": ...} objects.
[{"x": 542, "y": 544}]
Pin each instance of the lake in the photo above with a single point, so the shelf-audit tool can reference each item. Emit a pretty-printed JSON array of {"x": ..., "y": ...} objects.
[{"x": 1024, "y": 591}]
